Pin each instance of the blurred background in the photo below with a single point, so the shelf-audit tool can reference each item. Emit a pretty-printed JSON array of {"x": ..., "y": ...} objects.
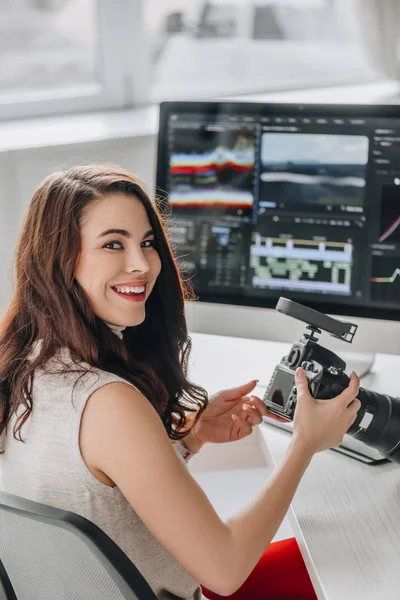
[
  {"x": 57, "y": 49},
  {"x": 195, "y": 48},
  {"x": 81, "y": 80}
]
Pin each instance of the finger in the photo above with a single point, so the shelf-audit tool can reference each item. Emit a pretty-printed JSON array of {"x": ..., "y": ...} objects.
[
  {"x": 252, "y": 415},
  {"x": 302, "y": 384},
  {"x": 349, "y": 393},
  {"x": 354, "y": 405},
  {"x": 240, "y": 429},
  {"x": 259, "y": 405},
  {"x": 254, "y": 403},
  {"x": 236, "y": 404},
  {"x": 240, "y": 420},
  {"x": 235, "y": 428},
  {"x": 237, "y": 392},
  {"x": 352, "y": 420},
  {"x": 353, "y": 413},
  {"x": 245, "y": 431}
]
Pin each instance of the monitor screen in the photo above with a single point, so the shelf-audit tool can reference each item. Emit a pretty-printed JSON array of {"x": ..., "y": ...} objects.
[{"x": 285, "y": 200}]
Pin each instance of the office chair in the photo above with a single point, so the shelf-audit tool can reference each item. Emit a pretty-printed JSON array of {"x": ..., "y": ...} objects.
[
  {"x": 48, "y": 554},
  {"x": 6, "y": 589}
]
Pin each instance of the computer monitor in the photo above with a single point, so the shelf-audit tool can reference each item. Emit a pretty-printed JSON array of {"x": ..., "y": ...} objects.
[{"x": 271, "y": 200}]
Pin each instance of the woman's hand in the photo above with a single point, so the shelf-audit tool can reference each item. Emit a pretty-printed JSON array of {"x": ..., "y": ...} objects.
[
  {"x": 230, "y": 415},
  {"x": 322, "y": 424}
]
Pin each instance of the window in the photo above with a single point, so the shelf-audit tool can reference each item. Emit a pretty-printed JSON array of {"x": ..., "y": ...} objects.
[
  {"x": 67, "y": 55},
  {"x": 223, "y": 47},
  {"x": 266, "y": 25},
  {"x": 217, "y": 21},
  {"x": 48, "y": 44}
]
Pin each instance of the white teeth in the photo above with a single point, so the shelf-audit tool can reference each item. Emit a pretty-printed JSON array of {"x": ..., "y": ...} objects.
[{"x": 131, "y": 290}]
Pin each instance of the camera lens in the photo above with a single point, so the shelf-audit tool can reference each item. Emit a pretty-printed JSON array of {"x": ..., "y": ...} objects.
[{"x": 378, "y": 423}]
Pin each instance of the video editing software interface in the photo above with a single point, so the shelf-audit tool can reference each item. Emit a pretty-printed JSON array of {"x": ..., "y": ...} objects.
[{"x": 270, "y": 203}]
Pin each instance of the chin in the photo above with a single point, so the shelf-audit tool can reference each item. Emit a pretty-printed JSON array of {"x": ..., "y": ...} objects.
[{"x": 134, "y": 320}]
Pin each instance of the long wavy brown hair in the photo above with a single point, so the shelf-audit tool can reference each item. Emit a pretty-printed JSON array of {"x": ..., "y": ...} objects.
[{"x": 49, "y": 305}]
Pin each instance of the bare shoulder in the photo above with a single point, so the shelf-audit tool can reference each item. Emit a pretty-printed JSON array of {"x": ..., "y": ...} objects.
[
  {"x": 116, "y": 407},
  {"x": 117, "y": 397},
  {"x": 117, "y": 420}
]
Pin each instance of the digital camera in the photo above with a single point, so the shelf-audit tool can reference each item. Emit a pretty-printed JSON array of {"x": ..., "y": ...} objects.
[{"x": 378, "y": 419}]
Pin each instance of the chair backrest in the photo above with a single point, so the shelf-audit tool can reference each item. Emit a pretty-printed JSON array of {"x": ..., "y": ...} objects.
[
  {"x": 6, "y": 589},
  {"x": 47, "y": 553}
]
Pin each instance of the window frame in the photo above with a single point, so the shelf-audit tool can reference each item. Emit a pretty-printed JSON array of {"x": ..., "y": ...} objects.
[{"x": 123, "y": 70}]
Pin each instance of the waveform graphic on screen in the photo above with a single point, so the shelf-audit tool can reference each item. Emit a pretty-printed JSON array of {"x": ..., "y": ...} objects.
[
  {"x": 385, "y": 282},
  {"x": 390, "y": 230},
  {"x": 391, "y": 279},
  {"x": 210, "y": 198},
  {"x": 390, "y": 214},
  {"x": 198, "y": 179},
  {"x": 218, "y": 160},
  {"x": 211, "y": 172}
]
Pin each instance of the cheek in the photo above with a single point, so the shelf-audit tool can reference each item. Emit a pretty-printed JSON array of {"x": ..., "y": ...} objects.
[
  {"x": 89, "y": 272},
  {"x": 155, "y": 266}
]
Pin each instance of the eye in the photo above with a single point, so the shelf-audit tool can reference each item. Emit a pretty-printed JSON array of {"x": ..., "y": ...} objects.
[
  {"x": 110, "y": 243},
  {"x": 149, "y": 243}
]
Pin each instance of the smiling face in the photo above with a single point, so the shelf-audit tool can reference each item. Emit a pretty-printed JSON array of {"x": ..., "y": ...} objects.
[{"x": 118, "y": 264}]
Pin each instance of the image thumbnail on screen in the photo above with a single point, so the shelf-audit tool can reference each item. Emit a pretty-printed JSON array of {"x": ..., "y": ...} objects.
[
  {"x": 211, "y": 172},
  {"x": 303, "y": 170}
]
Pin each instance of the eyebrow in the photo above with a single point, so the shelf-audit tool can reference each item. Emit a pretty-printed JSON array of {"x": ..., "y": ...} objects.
[{"x": 124, "y": 233}]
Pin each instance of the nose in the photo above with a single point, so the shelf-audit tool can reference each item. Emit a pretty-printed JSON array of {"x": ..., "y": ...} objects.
[{"x": 137, "y": 262}]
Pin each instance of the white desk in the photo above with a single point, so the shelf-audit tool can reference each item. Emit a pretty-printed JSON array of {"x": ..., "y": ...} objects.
[{"x": 345, "y": 515}]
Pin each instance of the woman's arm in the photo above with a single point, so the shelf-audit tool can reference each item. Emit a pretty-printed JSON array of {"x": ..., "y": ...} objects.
[{"x": 123, "y": 437}]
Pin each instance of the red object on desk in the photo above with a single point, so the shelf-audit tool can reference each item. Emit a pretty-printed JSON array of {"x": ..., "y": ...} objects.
[{"x": 280, "y": 574}]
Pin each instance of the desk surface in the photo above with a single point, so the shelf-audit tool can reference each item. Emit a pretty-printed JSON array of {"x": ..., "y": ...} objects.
[
  {"x": 346, "y": 518},
  {"x": 345, "y": 514}
]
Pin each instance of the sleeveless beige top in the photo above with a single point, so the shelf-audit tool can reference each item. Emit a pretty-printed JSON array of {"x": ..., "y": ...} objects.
[{"x": 49, "y": 468}]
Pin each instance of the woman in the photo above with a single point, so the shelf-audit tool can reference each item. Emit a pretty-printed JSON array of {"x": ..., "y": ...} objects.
[{"x": 94, "y": 348}]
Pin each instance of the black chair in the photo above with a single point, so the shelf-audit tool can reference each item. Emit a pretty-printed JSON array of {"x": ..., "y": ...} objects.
[{"x": 52, "y": 554}]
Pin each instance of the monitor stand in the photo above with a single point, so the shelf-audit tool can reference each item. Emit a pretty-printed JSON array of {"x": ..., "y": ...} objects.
[{"x": 359, "y": 362}]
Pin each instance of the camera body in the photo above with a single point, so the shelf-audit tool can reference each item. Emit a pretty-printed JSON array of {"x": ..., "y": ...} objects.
[{"x": 324, "y": 371}]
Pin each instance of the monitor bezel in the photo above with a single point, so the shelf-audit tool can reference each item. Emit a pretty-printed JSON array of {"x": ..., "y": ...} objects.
[{"x": 265, "y": 109}]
